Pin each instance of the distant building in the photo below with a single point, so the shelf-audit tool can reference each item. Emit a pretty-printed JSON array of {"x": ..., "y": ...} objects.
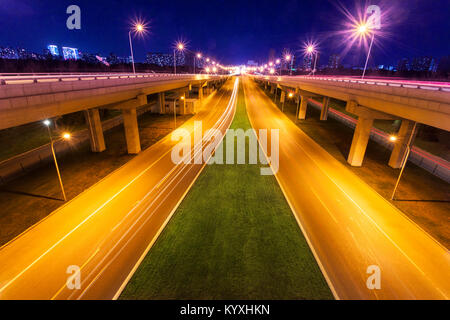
[
  {"x": 114, "y": 59},
  {"x": 53, "y": 50},
  {"x": 423, "y": 64},
  {"x": 403, "y": 65},
  {"x": 252, "y": 63},
  {"x": 334, "y": 61},
  {"x": 307, "y": 62},
  {"x": 70, "y": 53},
  {"x": 165, "y": 59},
  {"x": 8, "y": 53}
]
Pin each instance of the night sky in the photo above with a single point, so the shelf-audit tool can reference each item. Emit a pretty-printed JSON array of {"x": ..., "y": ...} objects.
[{"x": 228, "y": 30}]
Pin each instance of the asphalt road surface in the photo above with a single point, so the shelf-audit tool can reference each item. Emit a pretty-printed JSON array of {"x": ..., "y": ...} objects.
[
  {"x": 349, "y": 226},
  {"x": 108, "y": 229}
]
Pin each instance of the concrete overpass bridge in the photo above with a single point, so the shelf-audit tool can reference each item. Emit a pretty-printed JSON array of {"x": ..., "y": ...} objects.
[
  {"x": 26, "y": 99},
  {"x": 409, "y": 101}
]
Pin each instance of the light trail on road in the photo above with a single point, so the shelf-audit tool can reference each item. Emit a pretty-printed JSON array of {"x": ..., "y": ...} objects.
[
  {"x": 108, "y": 229},
  {"x": 348, "y": 225}
]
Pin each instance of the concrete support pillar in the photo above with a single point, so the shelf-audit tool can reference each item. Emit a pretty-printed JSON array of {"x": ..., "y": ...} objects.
[
  {"x": 272, "y": 89},
  {"x": 324, "y": 111},
  {"x": 303, "y": 107},
  {"x": 161, "y": 103},
  {"x": 200, "y": 93},
  {"x": 131, "y": 130},
  {"x": 283, "y": 96},
  {"x": 359, "y": 143},
  {"x": 94, "y": 125},
  {"x": 400, "y": 146}
]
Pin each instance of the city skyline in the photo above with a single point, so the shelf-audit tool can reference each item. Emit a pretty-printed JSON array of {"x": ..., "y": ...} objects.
[{"x": 234, "y": 35}]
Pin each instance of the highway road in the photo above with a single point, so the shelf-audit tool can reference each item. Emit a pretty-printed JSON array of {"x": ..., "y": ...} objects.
[
  {"x": 109, "y": 228},
  {"x": 348, "y": 225}
]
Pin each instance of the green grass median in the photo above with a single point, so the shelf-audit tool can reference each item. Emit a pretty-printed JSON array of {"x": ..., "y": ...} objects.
[{"x": 233, "y": 237}]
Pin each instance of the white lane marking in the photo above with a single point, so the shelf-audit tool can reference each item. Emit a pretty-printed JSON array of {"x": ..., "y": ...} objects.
[
  {"x": 297, "y": 218},
  {"x": 324, "y": 205},
  {"x": 361, "y": 209},
  {"x": 199, "y": 148},
  {"x": 219, "y": 122}
]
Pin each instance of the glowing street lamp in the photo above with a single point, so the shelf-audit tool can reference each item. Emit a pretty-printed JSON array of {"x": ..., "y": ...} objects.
[
  {"x": 311, "y": 50},
  {"x": 65, "y": 136},
  {"x": 179, "y": 47},
  {"x": 364, "y": 28},
  {"x": 290, "y": 58},
  {"x": 138, "y": 28},
  {"x": 197, "y": 56}
]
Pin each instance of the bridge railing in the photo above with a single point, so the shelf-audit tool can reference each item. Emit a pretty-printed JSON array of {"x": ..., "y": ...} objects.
[
  {"x": 440, "y": 86},
  {"x": 25, "y": 79}
]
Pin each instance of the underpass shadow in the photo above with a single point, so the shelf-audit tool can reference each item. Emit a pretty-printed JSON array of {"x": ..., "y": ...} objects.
[{"x": 2, "y": 190}]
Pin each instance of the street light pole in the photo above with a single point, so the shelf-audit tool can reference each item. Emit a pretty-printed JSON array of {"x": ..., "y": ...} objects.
[
  {"x": 405, "y": 159},
  {"x": 131, "y": 49},
  {"x": 315, "y": 63},
  {"x": 174, "y": 62},
  {"x": 56, "y": 162},
  {"x": 292, "y": 64},
  {"x": 368, "y": 55}
]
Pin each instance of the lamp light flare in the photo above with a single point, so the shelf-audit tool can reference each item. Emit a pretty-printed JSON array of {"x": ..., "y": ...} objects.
[
  {"x": 66, "y": 136},
  {"x": 362, "y": 28},
  {"x": 46, "y": 122},
  {"x": 139, "y": 28},
  {"x": 393, "y": 138}
]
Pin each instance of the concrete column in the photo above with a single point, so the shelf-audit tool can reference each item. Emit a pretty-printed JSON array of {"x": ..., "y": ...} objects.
[
  {"x": 283, "y": 96},
  {"x": 303, "y": 107},
  {"x": 131, "y": 130},
  {"x": 272, "y": 89},
  {"x": 161, "y": 103},
  {"x": 400, "y": 146},
  {"x": 94, "y": 125},
  {"x": 359, "y": 143},
  {"x": 200, "y": 93},
  {"x": 324, "y": 111}
]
